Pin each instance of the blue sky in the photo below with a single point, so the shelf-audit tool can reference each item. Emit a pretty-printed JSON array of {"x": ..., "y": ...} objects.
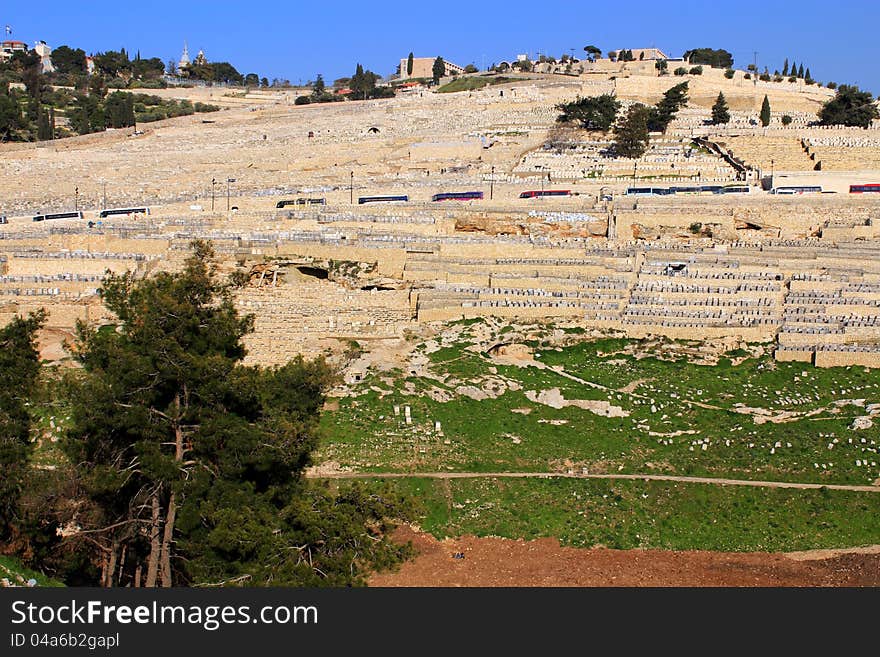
[{"x": 297, "y": 40}]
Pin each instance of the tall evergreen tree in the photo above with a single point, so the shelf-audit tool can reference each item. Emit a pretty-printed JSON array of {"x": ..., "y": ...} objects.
[
  {"x": 720, "y": 111},
  {"x": 664, "y": 112},
  {"x": 438, "y": 70},
  {"x": 765, "y": 112},
  {"x": 631, "y": 133},
  {"x": 19, "y": 371},
  {"x": 807, "y": 75},
  {"x": 785, "y": 67},
  {"x": 44, "y": 129},
  {"x": 801, "y": 71},
  {"x": 319, "y": 88},
  {"x": 409, "y": 64},
  {"x": 793, "y": 69}
]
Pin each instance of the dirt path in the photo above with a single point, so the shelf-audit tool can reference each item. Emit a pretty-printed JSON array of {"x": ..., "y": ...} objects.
[
  {"x": 543, "y": 562},
  {"x": 569, "y": 475}
]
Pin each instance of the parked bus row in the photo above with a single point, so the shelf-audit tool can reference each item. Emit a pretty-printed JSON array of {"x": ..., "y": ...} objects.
[
  {"x": 79, "y": 214},
  {"x": 442, "y": 196}
]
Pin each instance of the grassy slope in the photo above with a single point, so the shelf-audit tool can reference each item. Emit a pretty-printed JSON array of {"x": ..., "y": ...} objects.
[
  {"x": 486, "y": 436},
  {"x": 637, "y": 514}
]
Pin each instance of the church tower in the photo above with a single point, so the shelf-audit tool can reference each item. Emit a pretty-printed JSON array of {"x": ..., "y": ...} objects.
[{"x": 184, "y": 62}]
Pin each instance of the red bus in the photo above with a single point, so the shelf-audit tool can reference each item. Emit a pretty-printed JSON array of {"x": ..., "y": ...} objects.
[
  {"x": 545, "y": 192},
  {"x": 862, "y": 189}
]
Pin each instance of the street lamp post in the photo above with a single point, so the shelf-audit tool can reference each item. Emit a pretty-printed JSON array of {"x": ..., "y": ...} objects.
[
  {"x": 213, "y": 183},
  {"x": 351, "y": 188},
  {"x": 76, "y": 199},
  {"x": 228, "y": 180},
  {"x": 492, "y": 184}
]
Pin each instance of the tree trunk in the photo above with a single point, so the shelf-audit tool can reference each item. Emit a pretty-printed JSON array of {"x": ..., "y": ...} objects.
[
  {"x": 168, "y": 533},
  {"x": 137, "y": 577},
  {"x": 167, "y": 537},
  {"x": 153, "y": 560},
  {"x": 121, "y": 565},
  {"x": 110, "y": 570}
]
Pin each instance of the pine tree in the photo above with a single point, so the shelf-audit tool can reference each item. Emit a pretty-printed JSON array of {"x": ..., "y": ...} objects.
[
  {"x": 785, "y": 68},
  {"x": 191, "y": 463},
  {"x": 765, "y": 112},
  {"x": 720, "y": 111},
  {"x": 664, "y": 112}
]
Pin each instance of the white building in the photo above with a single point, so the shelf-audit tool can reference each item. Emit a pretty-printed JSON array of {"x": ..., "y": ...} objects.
[{"x": 44, "y": 52}]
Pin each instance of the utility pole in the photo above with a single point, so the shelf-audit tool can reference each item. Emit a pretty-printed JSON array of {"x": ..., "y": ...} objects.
[
  {"x": 228, "y": 180},
  {"x": 213, "y": 182},
  {"x": 492, "y": 184},
  {"x": 76, "y": 199},
  {"x": 105, "y": 195},
  {"x": 351, "y": 188},
  {"x": 755, "y": 72}
]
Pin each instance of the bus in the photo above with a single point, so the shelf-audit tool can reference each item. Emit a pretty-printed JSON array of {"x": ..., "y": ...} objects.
[
  {"x": 113, "y": 211},
  {"x": 696, "y": 190},
  {"x": 301, "y": 201},
  {"x": 59, "y": 215},
  {"x": 864, "y": 189},
  {"x": 797, "y": 189},
  {"x": 457, "y": 196},
  {"x": 735, "y": 189},
  {"x": 648, "y": 191},
  {"x": 545, "y": 192},
  {"x": 383, "y": 199}
]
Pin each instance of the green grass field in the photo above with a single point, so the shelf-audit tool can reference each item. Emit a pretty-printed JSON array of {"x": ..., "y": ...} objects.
[
  {"x": 662, "y": 432},
  {"x": 472, "y": 83},
  {"x": 638, "y": 514}
]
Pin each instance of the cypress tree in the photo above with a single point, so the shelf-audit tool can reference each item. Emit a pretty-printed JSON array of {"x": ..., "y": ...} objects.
[
  {"x": 801, "y": 71},
  {"x": 765, "y": 112},
  {"x": 793, "y": 69},
  {"x": 409, "y": 64},
  {"x": 785, "y": 68},
  {"x": 43, "y": 128},
  {"x": 720, "y": 113},
  {"x": 631, "y": 134},
  {"x": 807, "y": 75}
]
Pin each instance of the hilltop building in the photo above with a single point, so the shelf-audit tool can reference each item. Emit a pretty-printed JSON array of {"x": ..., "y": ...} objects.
[
  {"x": 9, "y": 48},
  {"x": 647, "y": 54},
  {"x": 423, "y": 67},
  {"x": 44, "y": 52}
]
